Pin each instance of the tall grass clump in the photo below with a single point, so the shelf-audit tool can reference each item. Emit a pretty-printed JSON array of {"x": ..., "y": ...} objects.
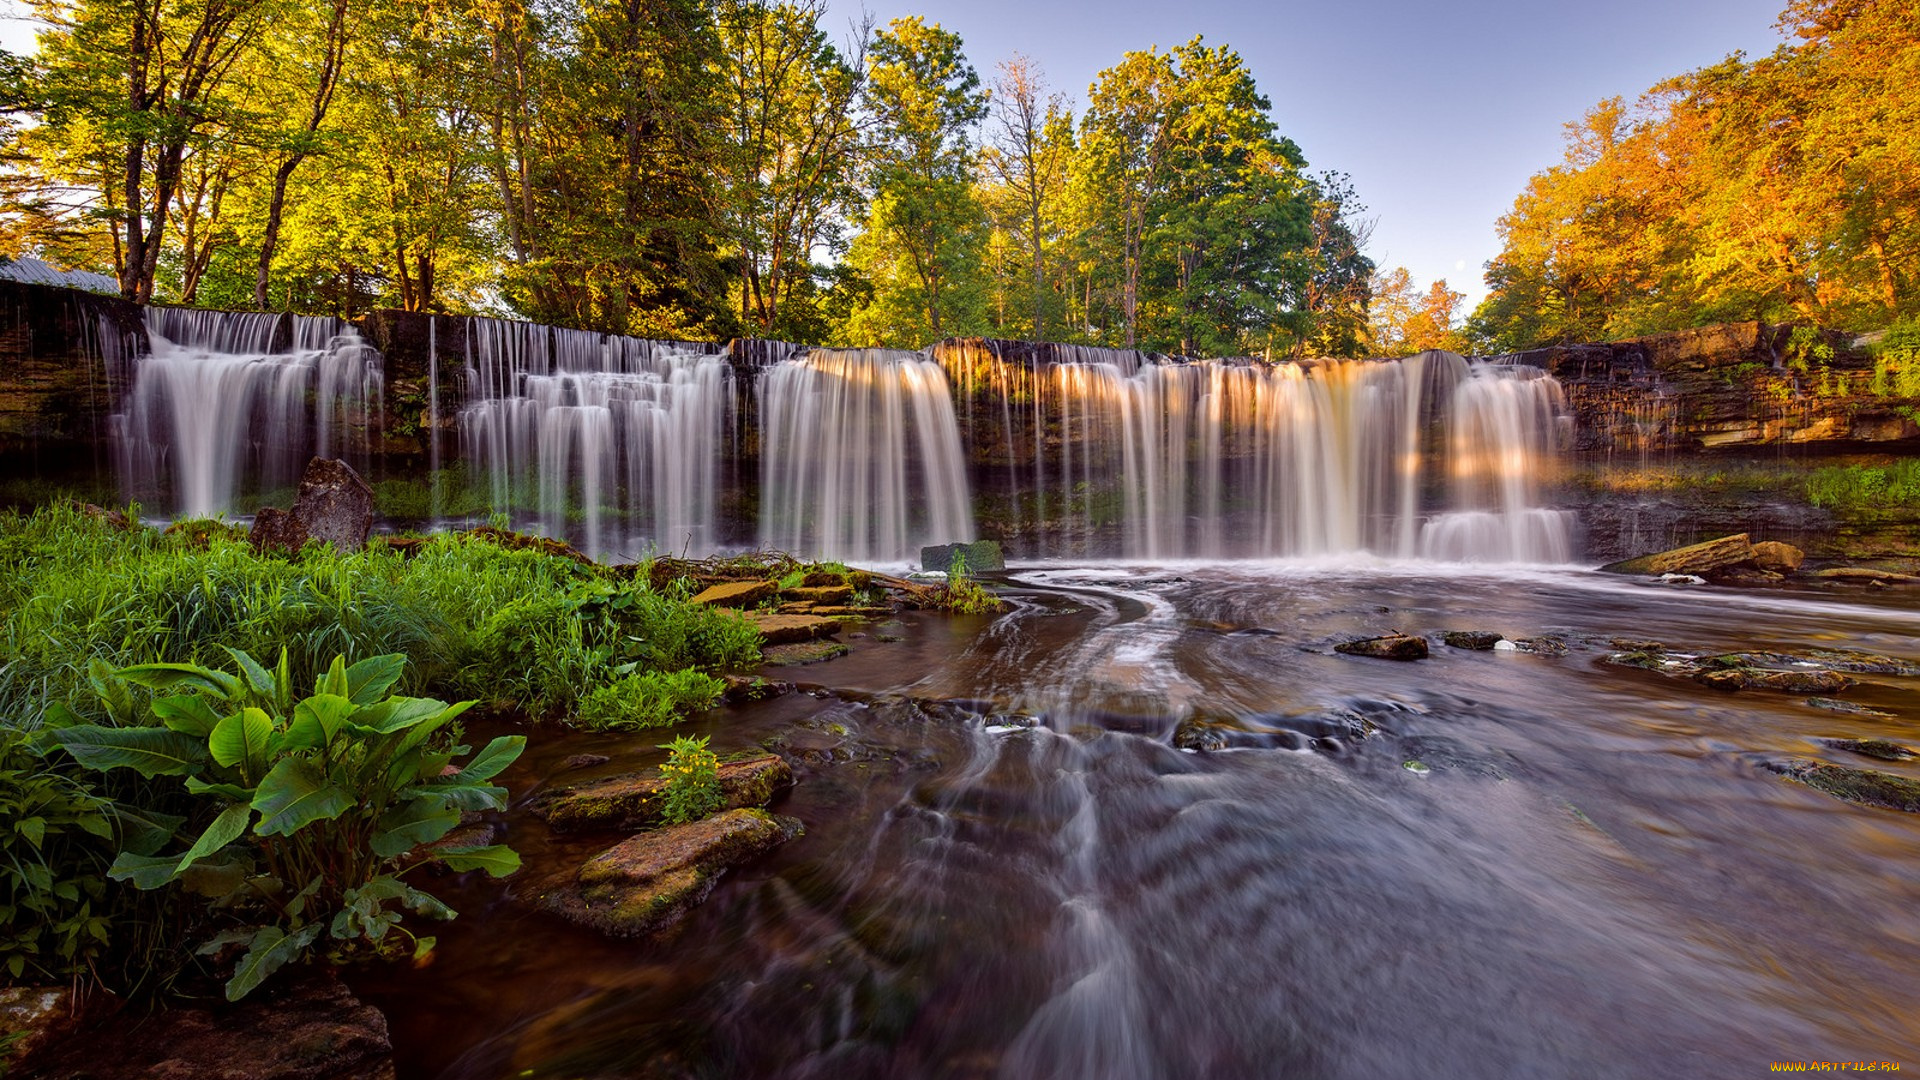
[
  {"x": 516, "y": 628},
  {"x": 1852, "y": 490}
]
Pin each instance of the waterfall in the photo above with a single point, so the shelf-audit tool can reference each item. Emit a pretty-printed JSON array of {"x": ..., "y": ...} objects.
[
  {"x": 1429, "y": 456},
  {"x": 576, "y": 427},
  {"x": 228, "y": 403},
  {"x": 860, "y": 456}
]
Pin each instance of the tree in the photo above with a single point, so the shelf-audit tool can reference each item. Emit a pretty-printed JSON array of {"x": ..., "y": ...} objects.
[{"x": 1026, "y": 170}]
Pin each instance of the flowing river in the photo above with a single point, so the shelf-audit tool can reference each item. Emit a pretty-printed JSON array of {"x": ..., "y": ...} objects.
[{"x": 1480, "y": 864}]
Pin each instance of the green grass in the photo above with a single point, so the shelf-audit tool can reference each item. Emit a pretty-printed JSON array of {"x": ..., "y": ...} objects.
[
  {"x": 517, "y": 629},
  {"x": 1851, "y": 490}
]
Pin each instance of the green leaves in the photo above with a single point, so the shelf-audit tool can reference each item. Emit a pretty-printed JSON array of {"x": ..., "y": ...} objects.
[
  {"x": 296, "y": 793},
  {"x": 270, "y": 950},
  {"x": 241, "y": 739},
  {"x": 149, "y": 751},
  {"x": 498, "y": 860}
]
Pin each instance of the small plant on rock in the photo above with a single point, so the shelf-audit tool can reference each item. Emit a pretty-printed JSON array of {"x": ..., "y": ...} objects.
[
  {"x": 315, "y": 808},
  {"x": 648, "y": 699},
  {"x": 692, "y": 774},
  {"x": 962, "y": 594}
]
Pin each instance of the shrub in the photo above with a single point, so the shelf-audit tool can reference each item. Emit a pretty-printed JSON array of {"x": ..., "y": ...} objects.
[
  {"x": 693, "y": 781},
  {"x": 317, "y": 807},
  {"x": 648, "y": 699},
  {"x": 54, "y": 909},
  {"x": 1857, "y": 489},
  {"x": 961, "y": 593}
]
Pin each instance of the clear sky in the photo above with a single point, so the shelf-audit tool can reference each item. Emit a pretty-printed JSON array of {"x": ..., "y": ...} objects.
[{"x": 1439, "y": 111}]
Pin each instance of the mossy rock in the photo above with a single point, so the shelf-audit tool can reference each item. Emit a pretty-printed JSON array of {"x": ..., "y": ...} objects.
[
  {"x": 1863, "y": 786},
  {"x": 648, "y": 882},
  {"x": 635, "y": 800}
]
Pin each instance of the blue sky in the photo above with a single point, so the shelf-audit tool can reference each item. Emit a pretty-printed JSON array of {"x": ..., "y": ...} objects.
[{"x": 1439, "y": 112}]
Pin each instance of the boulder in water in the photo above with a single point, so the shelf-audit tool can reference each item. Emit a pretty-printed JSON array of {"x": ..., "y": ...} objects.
[
  {"x": 277, "y": 530},
  {"x": 787, "y": 629},
  {"x": 1386, "y": 647},
  {"x": 1777, "y": 557},
  {"x": 1863, "y": 786},
  {"x": 1881, "y": 749},
  {"x": 648, "y": 882},
  {"x": 735, "y": 594},
  {"x": 1692, "y": 559},
  {"x": 335, "y": 505},
  {"x": 982, "y": 556},
  {"x": 1476, "y": 640},
  {"x": 633, "y": 801},
  {"x": 1812, "y": 681}
]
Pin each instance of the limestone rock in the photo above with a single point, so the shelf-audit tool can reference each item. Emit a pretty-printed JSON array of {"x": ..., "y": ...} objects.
[
  {"x": 1386, "y": 647},
  {"x": 735, "y": 594},
  {"x": 277, "y": 530},
  {"x": 650, "y": 881},
  {"x": 314, "y": 1029},
  {"x": 753, "y": 688},
  {"x": 1866, "y": 574},
  {"x": 1815, "y": 681},
  {"x": 335, "y": 505},
  {"x": 1777, "y": 557},
  {"x": 633, "y": 801},
  {"x": 1692, "y": 559},
  {"x": 803, "y": 652},
  {"x": 1863, "y": 786},
  {"x": 983, "y": 556},
  {"x": 1873, "y": 748},
  {"x": 786, "y": 629},
  {"x": 1476, "y": 640},
  {"x": 821, "y": 594}
]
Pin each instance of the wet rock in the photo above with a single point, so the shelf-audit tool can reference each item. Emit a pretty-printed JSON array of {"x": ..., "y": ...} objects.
[
  {"x": 648, "y": 882},
  {"x": 753, "y": 688},
  {"x": 633, "y": 801},
  {"x": 1441, "y": 754},
  {"x": 1386, "y": 647},
  {"x": 474, "y": 830},
  {"x": 1873, "y": 748},
  {"x": 1196, "y": 734},
  {"x": 1778, "y": 557},
  {"x": 35, "y": 1019},
  {"x": 1863, "y": 786},
  {"x": 1861, "y": 662},
  {"x": 821, "y": 594},
  {"x": 1791, "y": 682},
  {"x": 1633, "y": 645},
  {"x": 1692, "y": 559},
  {"x": 277, "y": 530},
  {"x": 1746, "y": 577},
  {"x": 735, "y": 594},
  {"x": 1476, "y": 640},
  {"x": 846, "y": 612},
  {"x": 583, "y": 761},
  {"x": 1866, "y": 575},
  {"x": 786, "y": 629},
  {"x": 1541, "y": 646},
  {"x": 819, "y": 578},
  {"x": 983, "y": 556},
  {"x": 334, "y": 505},
  {"x": 803, "y": 652},
  {"x": 1850, "y": 708},
  {"x": 313, "y": 1029}
]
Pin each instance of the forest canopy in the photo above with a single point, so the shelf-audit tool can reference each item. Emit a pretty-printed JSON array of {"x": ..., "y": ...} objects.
[
  {"x": 669, "y": 168},
  {"x": 1785, "y": 189}
]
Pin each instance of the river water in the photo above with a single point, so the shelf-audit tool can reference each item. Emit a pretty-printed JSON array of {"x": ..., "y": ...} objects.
[{"x": 1476, "y": 865}]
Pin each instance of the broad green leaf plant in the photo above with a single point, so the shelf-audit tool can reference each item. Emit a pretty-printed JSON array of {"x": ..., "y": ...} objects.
[{"x": 325, "y": 803}]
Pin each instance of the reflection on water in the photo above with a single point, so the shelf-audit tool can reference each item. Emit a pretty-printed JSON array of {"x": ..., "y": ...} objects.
[{"x": 1594, "y": 878}]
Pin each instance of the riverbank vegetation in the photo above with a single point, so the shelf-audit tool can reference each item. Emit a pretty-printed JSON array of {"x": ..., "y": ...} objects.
[
  {"x": 156, "y": 731},
  {"x": 1785, "y": 189},
  {"x": 520, "y": 158}
]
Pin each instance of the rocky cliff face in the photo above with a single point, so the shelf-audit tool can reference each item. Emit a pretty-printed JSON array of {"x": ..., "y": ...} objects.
[{"x": 63, "y": 367}]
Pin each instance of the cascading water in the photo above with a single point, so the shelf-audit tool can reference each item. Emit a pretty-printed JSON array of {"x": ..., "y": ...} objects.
[
  {"x": 1237, "y": 458},
  {"x": 572, "y": 425},
  {"x": 223, "y": 404},
  {"x": 860, "y": 456}
]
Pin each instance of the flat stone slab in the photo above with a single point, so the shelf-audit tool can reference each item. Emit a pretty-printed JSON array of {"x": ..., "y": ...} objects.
[
  {"x": 735, "y": 594},
  {"x": 803, "y": 652},
  {"x": 633, "y": 801},
  {"x": 1692, "y": 559},
  {"x": 648, "y": 882},
  {"x": 1386, "y": 647},
  {"x": 786, "y": 629},
  {"x": 1866, "y": 574},
  {"x": 821, "y": 594}
]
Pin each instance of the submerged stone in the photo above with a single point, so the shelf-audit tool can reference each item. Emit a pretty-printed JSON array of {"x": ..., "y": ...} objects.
[
  {"x": 1476, "y": 640},
  {"x": 1873, "y": 748},
  {"x": 1863, "y": 786},
  {"x": 648, "y": 882},
  {"x": 803, "y": 652},
  {"x": 735, "y": 594},
  {"x": 1850, "y": 708},
  {"x": 634, "y": 800},
  {"x": 1791, "y": 682},
  {"x": 1386, "y": 647}
]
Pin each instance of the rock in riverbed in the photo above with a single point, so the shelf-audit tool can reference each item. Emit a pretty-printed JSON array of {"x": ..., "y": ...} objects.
[
  {"x": 650, "y": 881},
  {"x": 735, "y": 594},
  {"x": 1476, "y": 640},
  {"x": 1386, "y": 647},
  {"x": 787, "y": 629},
  {"x": 1880, "y": 749},
  {"x": 1699, "y": 558},
  {"x": 1863, "y": 786},
  {"x": 634, "y": 801}
]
